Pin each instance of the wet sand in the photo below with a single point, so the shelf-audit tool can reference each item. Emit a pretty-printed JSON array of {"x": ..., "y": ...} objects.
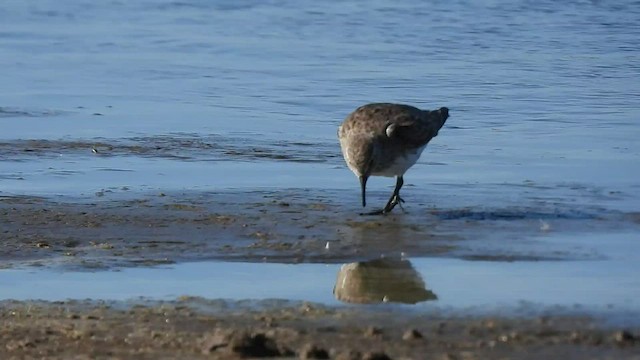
[
  {"x": 195, "y": 328},
  {"x": 275, "y": 226},
  {"x": 107, "y": 232},
  {"x": 161, "y": 228}
]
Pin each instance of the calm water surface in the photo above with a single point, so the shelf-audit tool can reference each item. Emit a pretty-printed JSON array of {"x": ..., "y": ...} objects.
[
  {"x": 200, "y": 95},
  {"x": 539, "y": 91},
  {"x": 596, "y": 287}
]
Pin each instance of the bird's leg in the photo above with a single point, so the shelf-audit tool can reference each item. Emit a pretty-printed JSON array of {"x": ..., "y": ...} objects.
[{"x": 394, "y": 200}]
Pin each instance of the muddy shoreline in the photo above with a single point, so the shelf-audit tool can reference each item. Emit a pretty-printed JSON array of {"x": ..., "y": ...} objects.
[
  {"x": 274, "y": 226},
  {"x": 162, "y": 229},
  {"x": 201, "y": 329},
  {"x": 114, "y": 230}
]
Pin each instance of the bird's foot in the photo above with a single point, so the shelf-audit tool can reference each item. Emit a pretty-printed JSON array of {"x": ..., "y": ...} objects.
[
  {"x": 395, "y": 200},
  {"x": 398, "y": 201}
]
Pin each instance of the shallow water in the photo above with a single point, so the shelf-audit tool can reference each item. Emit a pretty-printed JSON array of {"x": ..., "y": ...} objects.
[
  {"x": 606, "y": 285},
  {"x": 108, "y": 99}
]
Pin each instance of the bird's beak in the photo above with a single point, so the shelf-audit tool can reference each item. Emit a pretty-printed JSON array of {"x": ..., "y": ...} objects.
[{"x": 363, "y": 186}]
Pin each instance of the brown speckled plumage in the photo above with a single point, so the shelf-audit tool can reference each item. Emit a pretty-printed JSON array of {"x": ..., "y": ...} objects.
[{"x": 386, "y": 139}]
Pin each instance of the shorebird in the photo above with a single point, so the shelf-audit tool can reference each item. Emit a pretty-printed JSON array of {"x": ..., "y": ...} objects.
[{"x": 386, "y": 140}]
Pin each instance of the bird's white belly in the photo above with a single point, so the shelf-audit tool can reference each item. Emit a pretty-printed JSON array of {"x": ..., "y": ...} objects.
[{"x": 401, "y": 164}]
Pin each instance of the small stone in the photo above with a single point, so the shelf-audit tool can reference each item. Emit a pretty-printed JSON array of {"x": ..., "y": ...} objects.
[
  {"x": 575, "y": 337},
  {"x": 449, "y": 356},
  {"x": 623, "y": 337},
  {"x": 215, "y": 341},
  {"x": 256, "y": 345},
  {"x": 515, "y": 336},
  {"x": 373, "y": 331},
  {"x": 349, "y": 355},
  {"x": 473, "y": 330},
  {"x": 75, "y": 334},
  {"x": 375, "y": 356},
  {"x": 490, "y": 324},
  {"x": 411, "y": 334},
  {"x": 20, "y": 345},
  {"x": 310, "y": 351}
]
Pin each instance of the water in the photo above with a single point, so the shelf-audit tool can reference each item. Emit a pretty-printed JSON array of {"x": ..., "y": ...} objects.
[
  {"x": 598, "y": 286},
  {"x": 199, "y": 96},
  {"x": 539, "y": 92}
]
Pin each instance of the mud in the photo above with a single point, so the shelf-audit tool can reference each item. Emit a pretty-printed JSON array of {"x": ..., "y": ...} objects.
[
  {"x": 196, "y": 328},
  {"x": 275, "y": 226},
  {"x": 114, "y": 229},
  {"x": 164, "y": 229}
]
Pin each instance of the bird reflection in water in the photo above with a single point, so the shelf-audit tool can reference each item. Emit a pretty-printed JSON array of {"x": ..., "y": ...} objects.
[{"x": 381, "y": 280}]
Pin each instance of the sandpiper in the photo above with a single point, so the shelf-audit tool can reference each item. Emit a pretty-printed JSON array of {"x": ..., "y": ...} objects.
[{"x": 386, "y": 140}]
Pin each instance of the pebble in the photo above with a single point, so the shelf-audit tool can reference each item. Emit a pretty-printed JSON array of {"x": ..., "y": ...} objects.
[
  {"x": 375, "y": 356},
  {"x": 243, "y": 344},
  {"x": 373, "y": 331},
  {"x": 411, "y": 334},
  {"x": 623, "y": 337},
  {"x": 311, "y": 351},
  {"x": 349, "y": 355}
]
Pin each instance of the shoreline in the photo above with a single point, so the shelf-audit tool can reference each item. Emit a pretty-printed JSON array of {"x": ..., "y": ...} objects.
[
  {"x": 111, "y": 235},
  {"x": 288, "y": 226},
  {"x": 199, "y": 328}
]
